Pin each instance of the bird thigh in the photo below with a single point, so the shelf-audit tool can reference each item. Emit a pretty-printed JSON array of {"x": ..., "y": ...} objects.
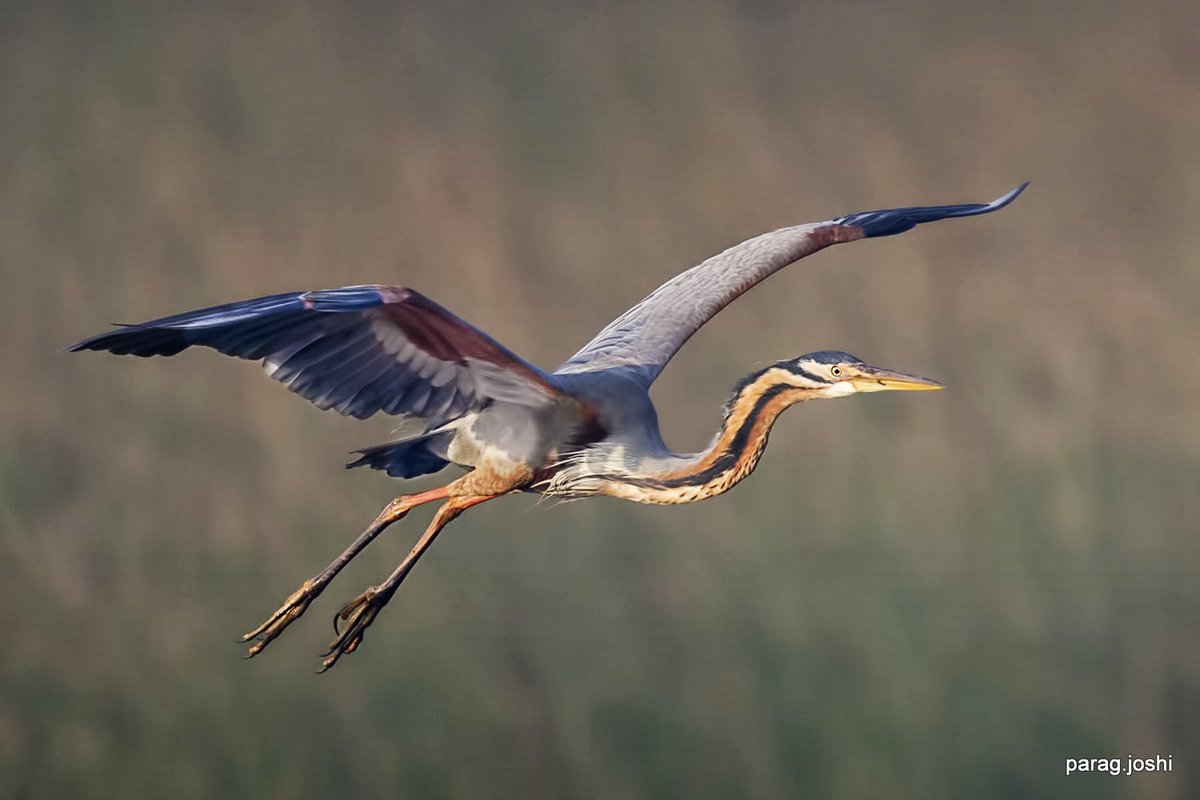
[{"x": 490, "y": 481}]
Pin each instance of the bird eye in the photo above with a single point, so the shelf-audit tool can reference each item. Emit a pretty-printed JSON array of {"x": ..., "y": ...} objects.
[{"x": 835, "y": 372}]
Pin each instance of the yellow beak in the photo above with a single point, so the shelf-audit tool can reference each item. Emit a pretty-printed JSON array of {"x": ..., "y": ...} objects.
[{"x": 875, "y": 379}]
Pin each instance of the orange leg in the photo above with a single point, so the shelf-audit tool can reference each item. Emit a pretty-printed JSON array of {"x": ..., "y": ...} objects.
[
  {"x": 297, "y": 603},
  {"x": 360, "y": 612}
]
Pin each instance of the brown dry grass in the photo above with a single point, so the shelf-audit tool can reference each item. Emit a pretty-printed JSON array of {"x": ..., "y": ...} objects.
[{"x": 928, "y": 596}]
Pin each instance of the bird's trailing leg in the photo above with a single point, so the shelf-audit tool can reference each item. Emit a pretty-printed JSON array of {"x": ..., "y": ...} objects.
[
  {"x": 297, "y": 603},
  {"x": 360, "y": 612}
]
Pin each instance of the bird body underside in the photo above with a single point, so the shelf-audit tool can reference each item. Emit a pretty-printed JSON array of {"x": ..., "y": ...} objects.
[{"x": 606, "y": 422}]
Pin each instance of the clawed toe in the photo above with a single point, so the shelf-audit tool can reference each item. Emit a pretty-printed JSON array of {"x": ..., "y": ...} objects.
[
  {"x": 291, "y": 610},
  {"x": 358, "y": 615}
]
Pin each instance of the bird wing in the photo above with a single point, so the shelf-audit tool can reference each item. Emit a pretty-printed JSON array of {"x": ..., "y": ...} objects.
[
  {"x": 641, "y": 341},
  {"x": 357, "y": 350}
]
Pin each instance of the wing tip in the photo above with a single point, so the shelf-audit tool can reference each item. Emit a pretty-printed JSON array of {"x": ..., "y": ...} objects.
[
  {"x": 1003, "y": 200},
  {"x": 891, "y": 221},
  {"x": 135, "y": 340},
  {"x": 96, "y": 342}
]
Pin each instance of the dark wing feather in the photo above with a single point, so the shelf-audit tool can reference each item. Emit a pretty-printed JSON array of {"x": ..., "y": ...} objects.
[
  {"x": 640, "y": 342},
  {"x": 358, "y": 350}
]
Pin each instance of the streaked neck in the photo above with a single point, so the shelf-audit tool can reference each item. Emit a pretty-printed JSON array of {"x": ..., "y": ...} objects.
[{"x": 733, "y": 454}]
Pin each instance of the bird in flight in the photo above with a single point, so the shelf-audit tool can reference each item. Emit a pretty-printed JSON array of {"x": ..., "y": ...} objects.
[{"x": 587, "y": 428}]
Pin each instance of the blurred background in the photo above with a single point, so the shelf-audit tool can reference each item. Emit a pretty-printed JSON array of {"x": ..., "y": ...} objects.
[{"x": 916, "y": 596}]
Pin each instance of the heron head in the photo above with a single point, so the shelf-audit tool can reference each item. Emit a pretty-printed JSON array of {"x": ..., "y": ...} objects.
[{"x": 832, "y": 373}]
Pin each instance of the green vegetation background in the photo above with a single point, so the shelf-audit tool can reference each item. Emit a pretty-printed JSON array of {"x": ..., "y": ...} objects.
[{"x": 916, "y": 596}]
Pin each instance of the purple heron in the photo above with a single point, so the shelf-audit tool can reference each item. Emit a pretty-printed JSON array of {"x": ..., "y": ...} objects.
[{"x": 587, "y": 428}]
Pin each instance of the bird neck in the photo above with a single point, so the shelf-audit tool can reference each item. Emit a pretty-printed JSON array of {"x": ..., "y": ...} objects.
[{"x": 733, "y": 454}]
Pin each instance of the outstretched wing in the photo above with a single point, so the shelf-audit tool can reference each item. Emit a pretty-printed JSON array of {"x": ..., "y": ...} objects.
[
  {"x": 641, "y": 341},
  {"x": 357, "y": 350}
]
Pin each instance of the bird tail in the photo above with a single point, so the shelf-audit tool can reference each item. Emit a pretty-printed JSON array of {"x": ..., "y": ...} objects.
[{"x": 407, "y": 458}]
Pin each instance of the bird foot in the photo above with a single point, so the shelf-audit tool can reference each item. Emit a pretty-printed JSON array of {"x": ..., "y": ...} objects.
[
  {"x": 359, "y": 613},
  {"x": 296, "y": 604}
]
